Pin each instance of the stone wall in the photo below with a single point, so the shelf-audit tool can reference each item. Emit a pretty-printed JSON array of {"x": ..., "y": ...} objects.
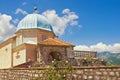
[
  {"x": 79, "y": 73},
  {"x": 5, "y": 55},
  {"x": 46, "y": 50}
]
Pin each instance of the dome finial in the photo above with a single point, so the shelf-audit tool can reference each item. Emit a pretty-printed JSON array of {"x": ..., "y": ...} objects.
[{"x": 35, "y": 9}]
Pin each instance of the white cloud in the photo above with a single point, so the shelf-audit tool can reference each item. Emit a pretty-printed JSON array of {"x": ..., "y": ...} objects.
[
  {"x": 66, "y": 11},
  {"x": 24, "y": 3},
  {"x": 20, "y": 11},
  {"x": 60, "y": 23},
  {"x": 15, "y": 21},
  {"x": 100, "y": 47},
  {"x": 6, "y": 28}
]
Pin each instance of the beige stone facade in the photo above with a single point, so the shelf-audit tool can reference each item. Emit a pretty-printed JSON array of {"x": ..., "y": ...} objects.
[
  {"x": 33, "y": 45},
  {"x": 34, "y": 41},
  {"x": 5, "y": 56}
]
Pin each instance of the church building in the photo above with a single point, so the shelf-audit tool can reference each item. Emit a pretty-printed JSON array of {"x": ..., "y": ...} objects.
[{"x": 34, "y": 40}]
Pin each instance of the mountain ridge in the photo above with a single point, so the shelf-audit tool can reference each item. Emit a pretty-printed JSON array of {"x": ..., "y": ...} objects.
[{"x": 111, "y": 58}]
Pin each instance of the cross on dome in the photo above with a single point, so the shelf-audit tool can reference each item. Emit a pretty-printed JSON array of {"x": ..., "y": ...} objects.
[{"x": 35, "y": 9}]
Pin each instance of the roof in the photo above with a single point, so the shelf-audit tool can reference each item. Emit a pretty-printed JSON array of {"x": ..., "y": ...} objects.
[
  {"x": 55, "y": 42},
  {"x": 10, "y": 40},
  {"x": 33, "y": 21}
]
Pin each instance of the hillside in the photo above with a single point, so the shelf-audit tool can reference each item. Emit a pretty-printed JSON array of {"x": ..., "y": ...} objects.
[{"x": 113, "y": 58}]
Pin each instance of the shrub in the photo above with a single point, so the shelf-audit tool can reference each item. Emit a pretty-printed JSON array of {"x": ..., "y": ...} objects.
[{"x": 58, "y": 70}]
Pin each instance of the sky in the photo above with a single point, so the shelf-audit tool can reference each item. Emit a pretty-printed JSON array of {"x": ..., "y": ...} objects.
[{"x": 89, "y": 24}]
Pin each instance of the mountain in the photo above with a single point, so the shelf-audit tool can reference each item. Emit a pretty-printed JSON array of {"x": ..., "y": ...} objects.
[{"x": 111, "y": 58}]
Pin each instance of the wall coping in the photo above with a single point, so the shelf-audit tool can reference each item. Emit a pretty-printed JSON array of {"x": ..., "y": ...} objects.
[{"x": 74, "y": 68}]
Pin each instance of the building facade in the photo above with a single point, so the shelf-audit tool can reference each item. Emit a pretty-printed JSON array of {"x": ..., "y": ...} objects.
[{"x": 34, "y": 40}]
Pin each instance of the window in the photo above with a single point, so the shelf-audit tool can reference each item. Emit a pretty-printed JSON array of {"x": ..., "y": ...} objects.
[
  {"x": 43, "y": 37},
  {"x": 6, "y": 49},
  {"x": 17, "y": 55}
]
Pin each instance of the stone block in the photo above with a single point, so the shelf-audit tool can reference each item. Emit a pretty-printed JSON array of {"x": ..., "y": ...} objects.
[
  {"x": 90, "y": 77},
  {"x": 117, "y": 74},
  {"x": 102, "y": 70},
  {"x": 75, "y": 76},
  {"x": 103, "y": 78},
  {"x": 80, "y": 77},
  {"x": 96, "y": 77},
  {"x": 79, "y": 72},
  {"x": 114, "y": 78},
  {"x": 85, "y": 77},
  {"x": 118, "y": 78},
  {"x": 105, "y": 73},
  {"x": 111, "y": 73},
  {"x": 98, "y": 73},
  {"x": 108, "y": 78}
]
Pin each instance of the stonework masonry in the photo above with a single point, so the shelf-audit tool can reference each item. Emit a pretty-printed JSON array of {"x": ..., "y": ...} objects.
[{"x": 78, "y": 73}]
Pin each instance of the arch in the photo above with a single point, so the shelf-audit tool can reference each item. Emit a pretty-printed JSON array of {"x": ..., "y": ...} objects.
[{"x": 54, "y": 55}]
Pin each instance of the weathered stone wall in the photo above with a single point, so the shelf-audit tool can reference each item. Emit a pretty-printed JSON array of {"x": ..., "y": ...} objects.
[
  {"x": 79, "y": 73},
  {"x": 96, "y": 73},
  {"x": 48, "y": 49}
]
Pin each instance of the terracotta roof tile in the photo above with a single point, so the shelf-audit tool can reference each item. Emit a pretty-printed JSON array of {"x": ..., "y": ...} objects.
[{"x": 55, "y": 41}]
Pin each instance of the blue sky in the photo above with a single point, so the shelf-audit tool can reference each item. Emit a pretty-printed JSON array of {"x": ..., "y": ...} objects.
[{"x": 98, "y": 20}]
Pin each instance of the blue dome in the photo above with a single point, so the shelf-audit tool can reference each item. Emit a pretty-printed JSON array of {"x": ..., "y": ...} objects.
[{"x": 34, "y": 21}]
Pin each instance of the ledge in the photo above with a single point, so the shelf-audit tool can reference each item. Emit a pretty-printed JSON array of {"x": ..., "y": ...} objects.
[{"x": 74, "y": 68}]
